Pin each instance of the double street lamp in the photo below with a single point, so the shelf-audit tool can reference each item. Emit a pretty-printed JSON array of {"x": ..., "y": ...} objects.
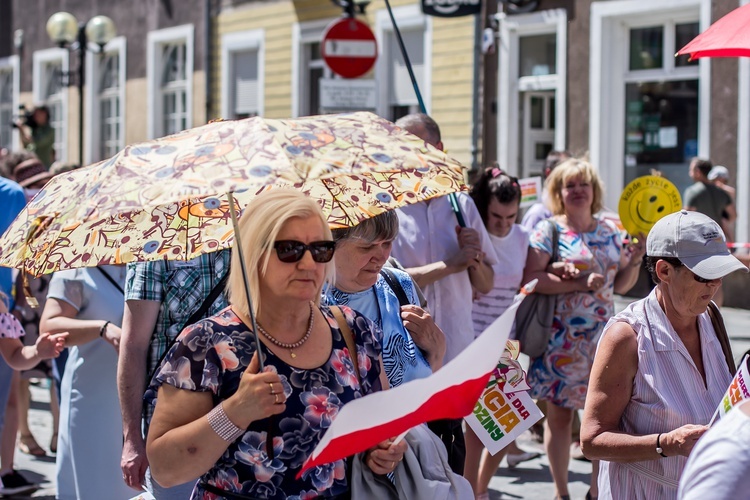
[{"x": 66, "y": 32}]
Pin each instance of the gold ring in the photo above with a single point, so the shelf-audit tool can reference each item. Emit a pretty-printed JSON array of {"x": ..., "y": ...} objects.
[
  {"x": 275, "y": 398},
  {"x": 270, "y": 384}
]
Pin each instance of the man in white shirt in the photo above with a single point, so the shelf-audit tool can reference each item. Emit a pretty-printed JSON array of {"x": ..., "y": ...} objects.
[{"x": 448, "y": 262}]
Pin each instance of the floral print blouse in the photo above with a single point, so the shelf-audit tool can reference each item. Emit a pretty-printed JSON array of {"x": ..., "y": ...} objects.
[{"x": 212, "y": 355}]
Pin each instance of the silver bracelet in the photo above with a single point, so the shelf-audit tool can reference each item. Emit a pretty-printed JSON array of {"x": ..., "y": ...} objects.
[{"x": 221, "y": 424}]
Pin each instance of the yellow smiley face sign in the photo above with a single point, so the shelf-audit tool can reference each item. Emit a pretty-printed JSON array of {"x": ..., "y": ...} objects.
[{"x": 646, "y": 200}]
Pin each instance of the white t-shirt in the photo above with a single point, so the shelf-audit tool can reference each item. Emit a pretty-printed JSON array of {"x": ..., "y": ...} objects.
[
  {"x": 511, "y": 251},
  {"x": 719, "y": 465},
  {"x": 427, "y": 234}
]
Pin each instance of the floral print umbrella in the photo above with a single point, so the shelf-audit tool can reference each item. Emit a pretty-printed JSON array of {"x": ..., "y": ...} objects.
[{"x": 168, "y": 198}]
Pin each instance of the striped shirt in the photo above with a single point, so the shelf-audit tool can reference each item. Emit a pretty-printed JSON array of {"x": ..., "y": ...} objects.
[{"x": 668, "y": 392}]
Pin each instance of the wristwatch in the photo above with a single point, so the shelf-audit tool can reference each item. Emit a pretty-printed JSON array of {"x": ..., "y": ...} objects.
[{"x": 659, "y": 449}]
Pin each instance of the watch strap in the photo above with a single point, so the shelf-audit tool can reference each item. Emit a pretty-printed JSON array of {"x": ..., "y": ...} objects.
[{"x": 659, "y": 449}]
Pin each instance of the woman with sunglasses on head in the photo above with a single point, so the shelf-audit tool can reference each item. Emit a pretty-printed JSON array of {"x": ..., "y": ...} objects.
[
  {"x": 216, "y": 412},
  {"x": 660, "y": 370}
]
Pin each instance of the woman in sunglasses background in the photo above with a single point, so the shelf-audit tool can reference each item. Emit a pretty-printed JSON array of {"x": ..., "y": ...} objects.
[
  {"x": 216, "y": 412},
  {"x": 660, "y": 371}
]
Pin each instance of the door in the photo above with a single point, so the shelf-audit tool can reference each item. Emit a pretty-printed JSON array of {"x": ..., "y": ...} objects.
[{"x": 538, "y": 133}]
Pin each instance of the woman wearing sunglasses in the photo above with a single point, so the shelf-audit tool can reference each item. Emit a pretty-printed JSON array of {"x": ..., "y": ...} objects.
[
  {"x": 660, "y": 371},
  {"x": 216, "y": 412}
]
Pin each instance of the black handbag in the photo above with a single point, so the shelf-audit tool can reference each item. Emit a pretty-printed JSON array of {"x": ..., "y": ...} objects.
[{"x": 537, "y": 311}]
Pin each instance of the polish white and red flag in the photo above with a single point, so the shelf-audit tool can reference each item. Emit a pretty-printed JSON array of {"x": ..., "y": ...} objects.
[{"x": 451, "y": 392}]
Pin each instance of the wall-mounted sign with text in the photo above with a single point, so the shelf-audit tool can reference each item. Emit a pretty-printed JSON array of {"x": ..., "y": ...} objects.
[{"x": 451, "y": 8}]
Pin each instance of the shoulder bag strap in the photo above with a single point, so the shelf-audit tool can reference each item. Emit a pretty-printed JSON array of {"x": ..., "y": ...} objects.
[
  {"x": 555, "y": 241},
  {"x": 721, "y": 334},
  {"x": 111, "y": 280},
  {"x": 348, "y": 338},
  {"x": 197, "y": 315},
  {"x": 392, "y": 280},
  {"x": 208, "y": 301}
]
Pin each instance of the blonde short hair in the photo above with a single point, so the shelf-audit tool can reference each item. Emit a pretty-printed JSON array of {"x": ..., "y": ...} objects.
[
  {"x": 570, "y": 169},
  {"x": 262, "y": 221}
]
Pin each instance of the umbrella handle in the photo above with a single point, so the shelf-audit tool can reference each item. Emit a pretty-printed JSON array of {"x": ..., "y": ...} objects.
[
  {"x": 238, "y": 249},
  {"x": 245, "y": 278},
  {"x": 456, "y": 209}
]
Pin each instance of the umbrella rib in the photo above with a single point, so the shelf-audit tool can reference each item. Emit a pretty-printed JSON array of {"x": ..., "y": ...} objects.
[{"x": 333, "y": 199}]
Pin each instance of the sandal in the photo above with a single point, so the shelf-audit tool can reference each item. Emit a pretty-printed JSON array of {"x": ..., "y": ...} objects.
[
  {"x": 53, "y": 443},
  {"x": 27, "y": 444}
]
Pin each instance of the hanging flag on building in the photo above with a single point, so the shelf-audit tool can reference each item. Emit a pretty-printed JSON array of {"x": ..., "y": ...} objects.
[{"x": 451, "y": 8}]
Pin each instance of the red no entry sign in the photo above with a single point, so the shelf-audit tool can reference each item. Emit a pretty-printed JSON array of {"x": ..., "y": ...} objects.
[{"x": 349, "y": 47}]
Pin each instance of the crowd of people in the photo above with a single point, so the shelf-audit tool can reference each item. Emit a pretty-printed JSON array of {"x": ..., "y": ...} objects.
[{"x": 162, "y": 367}]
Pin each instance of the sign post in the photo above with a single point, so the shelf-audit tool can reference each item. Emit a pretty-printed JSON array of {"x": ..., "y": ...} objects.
[{"x": 349, "y": 47}]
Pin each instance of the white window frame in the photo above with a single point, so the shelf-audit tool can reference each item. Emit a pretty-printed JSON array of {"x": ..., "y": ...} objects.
[
  {"x": 302, "y": 34},
  {"x": 408, "y": 17},
  {"x": 40, "y": 59},
  {"x": 93, "y": 76},
  {"x": 232, "y": 43},
  {"x": 178, "y": 34},
  {"x": 610, "y": 25},
  {"x": 510, "y": 84},
  {"x": 13, "y": 64},
  {"x": 743, "y": 147}
]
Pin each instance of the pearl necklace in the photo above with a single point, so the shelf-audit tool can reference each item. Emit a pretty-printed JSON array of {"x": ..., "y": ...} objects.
[{"x": 293, "y": 345}]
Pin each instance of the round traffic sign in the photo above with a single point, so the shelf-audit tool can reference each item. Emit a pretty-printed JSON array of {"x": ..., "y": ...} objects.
[{"x": 349, "y": 47}]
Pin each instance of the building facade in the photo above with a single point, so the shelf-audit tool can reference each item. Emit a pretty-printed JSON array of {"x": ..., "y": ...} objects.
[{"x": 147, "y": 82}]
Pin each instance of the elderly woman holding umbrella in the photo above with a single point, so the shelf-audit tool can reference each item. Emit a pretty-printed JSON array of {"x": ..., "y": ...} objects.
[
  {"x": 217, "y": 413},
  {"x": 660, "y": 371}
]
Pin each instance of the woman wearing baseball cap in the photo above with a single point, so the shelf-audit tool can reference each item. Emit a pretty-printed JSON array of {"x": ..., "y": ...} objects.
[{"x": 660, "y": 371}]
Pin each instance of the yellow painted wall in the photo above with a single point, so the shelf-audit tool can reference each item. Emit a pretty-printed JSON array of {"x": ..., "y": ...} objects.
[{"x": 452, "y": 61}]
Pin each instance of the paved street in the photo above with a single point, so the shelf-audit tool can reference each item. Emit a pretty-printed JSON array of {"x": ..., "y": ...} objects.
[{"x": 530, "y": 480}]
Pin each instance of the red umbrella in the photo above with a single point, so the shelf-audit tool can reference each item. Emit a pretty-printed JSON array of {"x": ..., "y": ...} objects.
[{"x": 727, "y": 37}]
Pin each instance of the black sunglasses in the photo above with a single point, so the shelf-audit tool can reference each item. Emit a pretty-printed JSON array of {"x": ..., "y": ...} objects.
[
  {"x": 291, "y": 251},
  {"x": 675, "y": 262}
]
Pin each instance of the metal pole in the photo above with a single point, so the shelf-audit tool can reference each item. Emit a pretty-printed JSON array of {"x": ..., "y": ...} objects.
[
  {"x": 407, "y": 61},
  {"x": 422, "y": 109},
  {"x": 82, "y": 44},
  {"x": 245, "y": 276}
]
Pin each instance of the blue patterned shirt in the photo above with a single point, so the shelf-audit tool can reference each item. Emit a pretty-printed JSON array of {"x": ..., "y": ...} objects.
[{"x": 402, "y": 359}]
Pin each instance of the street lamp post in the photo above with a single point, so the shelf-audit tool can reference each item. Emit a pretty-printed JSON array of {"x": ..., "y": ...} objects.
[{"x": 65, "y": 31}]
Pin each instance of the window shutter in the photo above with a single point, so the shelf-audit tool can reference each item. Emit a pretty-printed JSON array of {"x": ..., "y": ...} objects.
[
  {"x": 245, "y": 66},
  {"x": 402, "y": 91}
]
